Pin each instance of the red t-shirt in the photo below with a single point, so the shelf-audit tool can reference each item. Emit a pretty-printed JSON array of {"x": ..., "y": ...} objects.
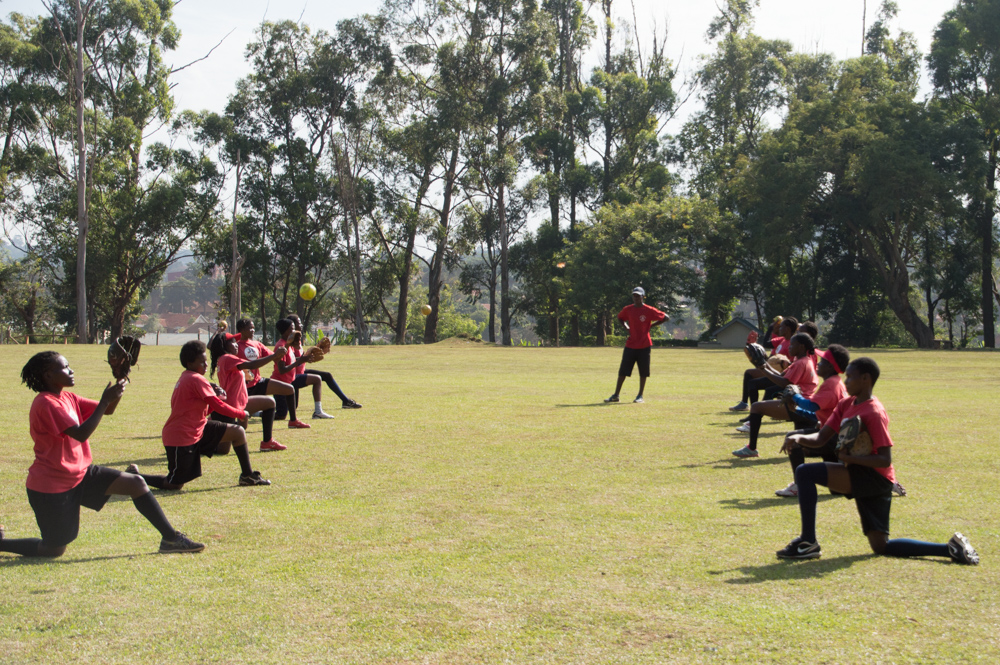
[
  {"x": 60, "y": 460},
  {"x": 779, "y": 346},
  {"x": 876, "y": 422},
  {"x": 828, "y": 396},
  {"x": 251, "y": 350},
  {"x": 640, "y": 319},
  {"x": 190, "y": 404},
  {"x": 233, "y": 381},
  {"x": 802, "y": 373},
  {"x": 289, "y": 359}
]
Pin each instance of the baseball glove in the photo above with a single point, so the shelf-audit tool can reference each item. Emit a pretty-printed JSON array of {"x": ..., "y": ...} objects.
[
  {"x": 789, "y": 393},
  {"x": 755, "y": 354},
  {"x": 123, "y": 353},
  {"x": 324, "y": 344},
  {"x": 779, "y": 362},
  {"x": 853, "y": 438},
  {"x": 314, "y": 353}
]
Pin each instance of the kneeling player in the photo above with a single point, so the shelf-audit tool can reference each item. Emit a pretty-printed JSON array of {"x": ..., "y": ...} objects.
[
  {"x": 867, "y": 479},
  {"x": 188, "y": 434},
  {"x": 62, "y": 477}
]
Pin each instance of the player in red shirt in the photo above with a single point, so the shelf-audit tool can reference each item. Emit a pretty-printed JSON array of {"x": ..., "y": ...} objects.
[
  {"x": 188, "y": 433},
  {"x": 638, "y": 318},
  {"x": 284, "y": 371},
  {"x": 756, "y": 379},
  {"x": 250, "y": 350},
  {"x": 810, "y": 414},
  {"x": 223, "y": 349},
  {"x": 305, "y": 376},
  {"x": 63, "y": 476},
  {"x": 802, "y": 373},
  {"x": 867, "y": 479}
]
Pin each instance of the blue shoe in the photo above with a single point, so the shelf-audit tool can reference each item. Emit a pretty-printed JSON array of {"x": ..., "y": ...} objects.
[{"x": 746, "y": 452}]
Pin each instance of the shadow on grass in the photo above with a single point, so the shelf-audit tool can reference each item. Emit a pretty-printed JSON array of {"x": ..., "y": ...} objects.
[
  {"x": 15, "y": 561},
  {"x": 766, "y": 502},
  {"x": 791, "y": 570},
  {"x": 149, "y": 461},
  {"x": 735, "y": 463},
  {"x": 577, "y": 406}
]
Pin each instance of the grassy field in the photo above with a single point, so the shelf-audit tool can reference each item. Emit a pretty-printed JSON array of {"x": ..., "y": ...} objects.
[{"x": 486, "y": 507}]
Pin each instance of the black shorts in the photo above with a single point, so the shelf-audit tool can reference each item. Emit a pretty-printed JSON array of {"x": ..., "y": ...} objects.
[
  {"x": 872, "y": 494},
  {"x": 632, "y": 357},
  {"x": 58, "y": 514},
  {"x": 260, "y": 388},
  {"x": 184, "y": 462}
]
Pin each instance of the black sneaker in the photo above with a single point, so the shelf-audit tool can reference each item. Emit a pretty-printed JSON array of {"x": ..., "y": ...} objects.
[
  {"x": 253, "y": 479},
  {"x": 961, "y": 550},
  {"x": 613, "y": 398},
  {"x": 799, "y": 549},
  {"x": 180, "y": 543},
  {"x": 350, "y": 404}
]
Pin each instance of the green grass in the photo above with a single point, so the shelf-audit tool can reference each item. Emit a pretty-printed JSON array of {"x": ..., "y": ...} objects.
[{"x": 485, "y": 507}]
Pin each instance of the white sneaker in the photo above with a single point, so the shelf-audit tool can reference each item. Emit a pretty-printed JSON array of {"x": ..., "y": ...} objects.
[
  {"x": 790, "y": 491},
  {"x": 745, "y": 428},
  {"x": 742, "y": 406},
  {"x": 322, "y": 416}
]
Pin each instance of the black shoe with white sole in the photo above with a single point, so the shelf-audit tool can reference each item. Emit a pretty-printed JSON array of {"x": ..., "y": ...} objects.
[{"x": 800, "y": 549}]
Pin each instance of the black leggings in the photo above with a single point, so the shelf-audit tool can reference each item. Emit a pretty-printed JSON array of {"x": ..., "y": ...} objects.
[
  {"x": 281, "y": 401},
  {"x": 752, "y": 386},
  {"x": 327, "y": 378}
]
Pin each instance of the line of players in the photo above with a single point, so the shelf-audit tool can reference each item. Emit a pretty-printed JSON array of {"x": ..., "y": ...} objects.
[
  {"x": 817, "y": 412},
  {"x": 63, "y": 477}
]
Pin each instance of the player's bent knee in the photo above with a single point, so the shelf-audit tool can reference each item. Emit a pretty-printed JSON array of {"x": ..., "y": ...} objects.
[
  {"x": 51, "y": 552},
  {"x": 878, "y": 542}
]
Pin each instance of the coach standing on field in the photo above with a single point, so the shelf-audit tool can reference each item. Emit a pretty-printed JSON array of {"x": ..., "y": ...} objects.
[{"x": 638, "y": 318}]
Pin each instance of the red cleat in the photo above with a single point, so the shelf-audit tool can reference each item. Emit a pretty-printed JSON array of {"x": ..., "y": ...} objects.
[
  {"x": 298, "y": 424},
  {"x": 266, "y": 446}
]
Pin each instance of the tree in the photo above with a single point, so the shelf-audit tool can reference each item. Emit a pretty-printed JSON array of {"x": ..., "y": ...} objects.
[
  {"x": 285, "y": 114},
  {"x": 965, "y": 64},
  {"x": 510, "y": 46},
  {"x": 652, "y": 244}
]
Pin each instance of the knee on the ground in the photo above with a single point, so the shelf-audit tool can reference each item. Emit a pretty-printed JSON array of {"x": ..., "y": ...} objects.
[{"x": 51, "y": 552}]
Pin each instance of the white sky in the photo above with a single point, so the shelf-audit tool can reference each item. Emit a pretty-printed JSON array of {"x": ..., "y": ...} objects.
[{"x": 810, "y": 25}]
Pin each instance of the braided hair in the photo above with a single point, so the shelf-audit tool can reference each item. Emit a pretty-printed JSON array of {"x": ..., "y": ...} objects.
[
  {"x": 33, "y": 372},
  {"x": 806, "y": 341},
  {"x": 217, "y": 348}
]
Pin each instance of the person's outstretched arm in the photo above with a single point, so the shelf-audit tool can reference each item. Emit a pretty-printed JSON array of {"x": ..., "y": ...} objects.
[{"x": 109, "y": 399}]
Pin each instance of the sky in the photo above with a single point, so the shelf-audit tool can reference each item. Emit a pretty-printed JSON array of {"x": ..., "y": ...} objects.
[{"x": 810, "y": 25}]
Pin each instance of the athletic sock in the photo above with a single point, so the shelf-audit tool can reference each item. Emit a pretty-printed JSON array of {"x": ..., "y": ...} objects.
[
  {"x": 318, "y": 408},
  {"x": 755, "y": 420},
  {"x": 244, "y": 457},
  {"x": 908, "y": 547},
  {"x": 807, "y": 477},
  {"x": 22, "y": 546},
  {"x": 267, "y": 419},
  {"x": 149, "y": 508}
]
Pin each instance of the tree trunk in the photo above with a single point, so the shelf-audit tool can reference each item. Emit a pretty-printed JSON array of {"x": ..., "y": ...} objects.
[
  {"x": 83, "y": 221},
  {"x": 402, "y": 310},
  {"x": 434, "y": 279},
  {"x": 986, "y": 233},
  {"x": 602, "y": 337},
  {"x": 896, "y": 283}
]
